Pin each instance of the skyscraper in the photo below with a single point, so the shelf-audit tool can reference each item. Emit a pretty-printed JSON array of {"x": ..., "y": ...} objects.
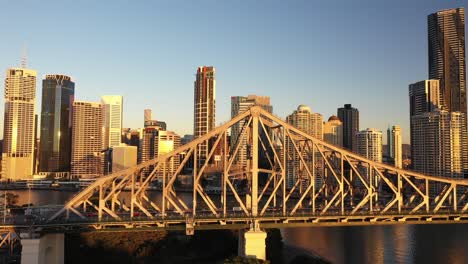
[
  {"x": 56, "y": 125},
  {"x": 369, "y": 144},
  {"x": 165, "y": 142},
  {"x": 87, "y": 140},
  {"x": 333, "y": 131},
  {"x": 148, "y": 115},
  {"x": 446, "y": 39},
  {"x": 204, "y": 108},
  {"x": 350, "y": 118},
  {"x": 312, "y": 124},
  {"x": 394, "y": 146},
  {"x": 240, "y": 104},
  {"x": 113, "y": 108},
  {"x": 437, "y": 135},
  {"x": 18, "y": 128}
]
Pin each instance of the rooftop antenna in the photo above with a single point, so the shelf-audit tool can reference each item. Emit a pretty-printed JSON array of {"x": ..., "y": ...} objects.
[{"x": 23, "y": 57}]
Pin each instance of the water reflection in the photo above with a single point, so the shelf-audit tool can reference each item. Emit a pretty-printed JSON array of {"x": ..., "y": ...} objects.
[{"x": 384, "y": 244}]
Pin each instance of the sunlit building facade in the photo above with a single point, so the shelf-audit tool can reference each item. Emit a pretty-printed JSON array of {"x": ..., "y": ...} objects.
[
  {"x": 437, "y": 136},
  {"x": 446, "y": 39},
  {"x": 19, "y": 124},
  {"x": 123, "y": 157},
  {"x": 394, "y": 146},
  {"x": 204, "y": 108},
  {"x": 165, "y": 142},
  {"x": 312, "y": 124},
  {"x": 333, "y": 131},
  {"x": 369, "y": 144},
  {"x": 88, "y": 140},
  {"x": 240, "y": 104},
  {"x": 58, "y": 93},
  {"x": 113, "y": 111}
]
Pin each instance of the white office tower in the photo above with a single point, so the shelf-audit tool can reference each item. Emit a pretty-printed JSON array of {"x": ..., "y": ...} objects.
[
  {"x": 394, "y": 146},
  {"x": 369, "y": 145},
  {"x": 113, "y": 109},
  {"x": 19, "y": 124}
]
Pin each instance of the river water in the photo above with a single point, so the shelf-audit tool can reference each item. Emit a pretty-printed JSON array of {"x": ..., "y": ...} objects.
[{"x": 425, "y": 244}]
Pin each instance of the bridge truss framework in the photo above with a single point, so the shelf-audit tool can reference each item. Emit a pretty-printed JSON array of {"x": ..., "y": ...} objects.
[{"x": 290, "y": 178}]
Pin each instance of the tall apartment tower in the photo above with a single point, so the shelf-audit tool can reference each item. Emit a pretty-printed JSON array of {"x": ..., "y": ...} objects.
[
  {"x": 350, "y": 118},
  {"x": 446, "y": 39},
  {"x": 148, "y": 115},
  {"x": 437, "y": 135},
  {"x": 394, "y": 146},
  {"x": 58, "y": 93},
  {"x": 333, "y": 131},
  {"x": 369, "y": 144},
  {"x": 312, "y": 124},
  {"x": 19, "y": 126},
  {"x": 240, "y": 104},
  {"x": 87, "y": 140},
  {"x": 113, "y": 110},
  {"x": 165, "y": 142},
  {"x": 204, "y": 108}
]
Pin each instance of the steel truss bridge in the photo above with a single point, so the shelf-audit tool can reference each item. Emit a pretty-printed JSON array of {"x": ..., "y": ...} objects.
[
  {"x": 289, "y": 179},
  {"x": 327, "y": 186}
]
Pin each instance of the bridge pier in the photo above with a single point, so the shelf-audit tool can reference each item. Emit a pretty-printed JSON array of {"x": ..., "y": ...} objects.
[
  {"x": 46, "y": 249},
  {"x": 252, "y": 243}
]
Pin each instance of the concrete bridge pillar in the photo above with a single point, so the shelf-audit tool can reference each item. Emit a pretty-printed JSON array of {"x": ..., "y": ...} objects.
[
  {"x": 252, "y": 243},
  {"x": 46, "y": 249}
]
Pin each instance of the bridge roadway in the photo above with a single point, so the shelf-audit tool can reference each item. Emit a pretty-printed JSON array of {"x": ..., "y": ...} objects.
[{"x": 236, "y": 221}]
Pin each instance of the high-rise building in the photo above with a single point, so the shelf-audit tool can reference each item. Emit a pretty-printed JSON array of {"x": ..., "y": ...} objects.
[
  {"x": 304, "y": 119},
  {"x": 350, "y": 118},
  {"x": 369, "y": 144},
  {"x": 240, "y": 104},
  {"x": 165, "y": 142},
  {"x": 394, "y": 146},
  {"x": 113, "y": 109},
  {"x": 446, "y": 39},
  {"x": 18, "y": 128},
  {"x": 87, "y": 140},
  {"x": 204, "y": 108},
  {"x": 123, "y": 157},
  {"x": 56, "y": 123},
  {"x": 148, "y": 115},
  {"x": 437, "y": 136},
  {"x": 333, "y": 131},
  {"x": 424, "y": 97},
  {"x": 436, "y": 143},
  {"x": 312, "y": 124}
]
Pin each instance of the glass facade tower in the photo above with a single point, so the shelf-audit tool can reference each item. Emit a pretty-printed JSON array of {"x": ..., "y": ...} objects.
[{"x": 58, "y": 93}]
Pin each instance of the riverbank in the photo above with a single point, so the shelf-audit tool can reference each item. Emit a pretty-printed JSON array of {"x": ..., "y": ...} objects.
[{"x": 215, "y": 246}]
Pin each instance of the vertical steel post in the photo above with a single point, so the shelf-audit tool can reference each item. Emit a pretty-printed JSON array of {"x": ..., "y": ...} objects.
[
  {"x": 225, "y": 173},
  {"x": 195, "y": 183},
  {"x": 254, "y": 154}
]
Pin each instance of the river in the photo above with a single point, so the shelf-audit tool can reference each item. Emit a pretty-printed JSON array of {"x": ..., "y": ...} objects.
[{"x": 366, "y": 244}]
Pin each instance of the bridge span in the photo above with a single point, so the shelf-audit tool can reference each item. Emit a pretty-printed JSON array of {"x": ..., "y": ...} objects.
[{"x": 289, "y": 179}]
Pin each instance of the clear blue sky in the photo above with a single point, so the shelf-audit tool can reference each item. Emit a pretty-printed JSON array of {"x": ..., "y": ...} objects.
[{"x": 320, "y": 53}]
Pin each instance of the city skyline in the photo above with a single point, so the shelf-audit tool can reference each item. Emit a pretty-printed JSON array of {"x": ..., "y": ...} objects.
[{"x": 307, "y": 71}]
